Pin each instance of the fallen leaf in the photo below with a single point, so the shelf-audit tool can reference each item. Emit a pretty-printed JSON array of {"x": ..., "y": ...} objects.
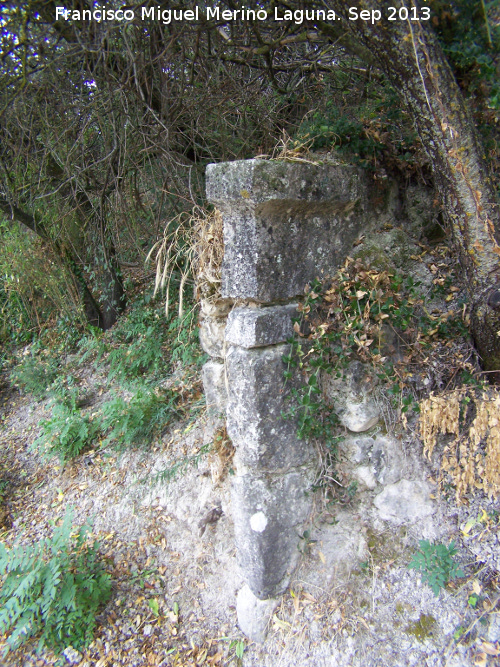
[
  {"x": 490, "y": 649},
  {"x": 283, "y": 625}
]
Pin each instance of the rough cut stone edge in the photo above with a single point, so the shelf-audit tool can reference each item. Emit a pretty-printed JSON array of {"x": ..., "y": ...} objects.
[
  {"x": 256, "y": 181},
  {"x": 259, "y": 327}
]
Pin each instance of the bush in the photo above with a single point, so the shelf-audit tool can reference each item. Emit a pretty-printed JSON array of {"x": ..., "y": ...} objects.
[
  {"x": 34, "y": 375},
  {"x": 54, "y": 588},
  {"x": 67, "y": 433},
  {"x": 136, "y": 421}
]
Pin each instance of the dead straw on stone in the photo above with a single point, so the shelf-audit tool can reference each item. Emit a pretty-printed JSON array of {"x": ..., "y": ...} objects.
[
  {"x": 291, "y": 150},
  {"x": 192, "y": 245}
]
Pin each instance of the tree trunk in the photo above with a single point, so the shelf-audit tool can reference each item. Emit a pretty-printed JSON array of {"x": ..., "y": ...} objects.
[
  {"x": 114, "y": 298},
  {"x": 409, "y": 53},
  {"x": 91, "y": 309}
]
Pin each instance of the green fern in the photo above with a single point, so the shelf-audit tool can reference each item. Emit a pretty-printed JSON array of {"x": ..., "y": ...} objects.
[
  {"x": 52, "y": 589},
  {"x": 67, "y": 433},
  {"x": 138, "y": 420}
]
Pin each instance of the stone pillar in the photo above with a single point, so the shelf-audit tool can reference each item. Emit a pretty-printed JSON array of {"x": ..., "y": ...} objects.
[{"x": 284, "y": 224}]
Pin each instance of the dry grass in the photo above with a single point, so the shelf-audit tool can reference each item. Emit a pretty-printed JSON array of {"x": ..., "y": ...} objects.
[
  {"x": 291, "y": 150},
  {"x": 221, "y": 457},
  {"x": 192, "y": 246},
  {"x": 472, "y": 457},
  {"x": 208, "y": 245}
]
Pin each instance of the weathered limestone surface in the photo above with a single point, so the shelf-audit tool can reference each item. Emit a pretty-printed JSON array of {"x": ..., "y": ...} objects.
[
  {"x": 254, "y": 615},
  {"x": 378, "y": 460},
  {"x": 258, "y": 327},
  {"x": 256, "y": 181},
  {"x": 284, "y": 223},
  {"x": 212, "y": 335},
  {"x": 404, "y": 502},
  {"x": 257, "y": 398},
  {"x": 267, "y": 512},
  {"x": 214, "y": 383}
]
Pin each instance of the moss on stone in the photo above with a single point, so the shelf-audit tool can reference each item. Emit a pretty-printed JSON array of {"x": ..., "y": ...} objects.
[{"x": 423, "y": 628}]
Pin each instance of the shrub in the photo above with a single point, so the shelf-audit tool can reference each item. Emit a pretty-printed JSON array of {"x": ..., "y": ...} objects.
[
  {"x": 34, "y": 375},
  {"x": 136, "y": 421},
  {"x": 67, "y": 433},
  {"x": 54, "y": 588}
]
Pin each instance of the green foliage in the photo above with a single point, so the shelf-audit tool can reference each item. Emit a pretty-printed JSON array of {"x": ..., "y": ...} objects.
[
  {"x": 180, "y": 466},
  {"x": 351, "y": 317},
  {"x": 143, "y": 346},
  {"x": 67, "y": 433},
  {"x": 329, "y": 127},
  {"x": 53, "y": 588},
  {"x": 371, "y": 133},
  {"x": 35, "y": 374},
  {"x": 436, "y": 564},
  {"x": 314, "y": 418},
  {"x": 138, "y": 352},
  {"x": 471, "y": 40},
  {"x": 137, "y": 421},
  {"x": 470, "y": 35},
  {"x": 33, "y": 289},
  {"x": 137, "y": 343}
]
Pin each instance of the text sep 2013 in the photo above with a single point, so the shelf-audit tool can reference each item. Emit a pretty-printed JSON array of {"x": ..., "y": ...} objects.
[{"x": 298, "y": 16}]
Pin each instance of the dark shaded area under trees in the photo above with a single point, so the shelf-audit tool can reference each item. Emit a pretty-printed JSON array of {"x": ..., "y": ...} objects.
[{"x": 106, "y": 128}]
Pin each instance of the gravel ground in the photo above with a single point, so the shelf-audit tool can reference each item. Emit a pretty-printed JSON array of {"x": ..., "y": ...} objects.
[{"x": 352, "y": 602}]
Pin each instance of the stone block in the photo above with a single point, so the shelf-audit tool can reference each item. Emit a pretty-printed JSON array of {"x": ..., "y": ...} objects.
[
  {"x": 254, "y": 615},
  {"x": 284, "y": 223},
  {"x": 214, "y": 385},
  {"x": 211, "y": 334},
  {"x": 257, "y": 397},
  {"x": 259, "y": 327},
  {"x": 251, "y": 182},
  {"x": 268, "y": 512}
]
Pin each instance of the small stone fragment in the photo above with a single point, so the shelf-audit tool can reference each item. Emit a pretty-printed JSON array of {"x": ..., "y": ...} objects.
[
  {"x": 214, "y": 385},
  {"x": 360, "y": 417},
  {"x": 212, "y": 336},
  {"x": 254, "y": 615},
  {"x": 72, "y": 655}
]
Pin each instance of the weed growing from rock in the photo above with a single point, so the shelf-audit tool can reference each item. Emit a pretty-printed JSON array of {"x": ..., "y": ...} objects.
[
  {"x": 436, "y": 564},
  {"x": 382, "y": 320}
]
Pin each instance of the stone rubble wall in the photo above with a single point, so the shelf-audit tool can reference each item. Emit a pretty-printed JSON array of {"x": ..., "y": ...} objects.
[{"x": 285, "y": 224}]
